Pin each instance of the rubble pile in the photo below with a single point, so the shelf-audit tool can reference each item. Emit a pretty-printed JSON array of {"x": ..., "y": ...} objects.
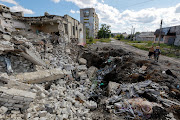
[
  {"x": 39, "y": 80},
  {"x": 42, "y": 76},
  {"x": 131, "y": 88}
]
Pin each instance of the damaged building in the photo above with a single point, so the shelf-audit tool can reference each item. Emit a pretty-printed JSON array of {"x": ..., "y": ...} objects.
[
  {"x": 169, "y": 35},
  {"x": 46, "y": 75}
]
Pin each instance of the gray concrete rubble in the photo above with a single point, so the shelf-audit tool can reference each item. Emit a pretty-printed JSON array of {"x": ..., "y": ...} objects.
[
  {"x": 46, "y": 75},
  {"x": 40, "y": 76}
]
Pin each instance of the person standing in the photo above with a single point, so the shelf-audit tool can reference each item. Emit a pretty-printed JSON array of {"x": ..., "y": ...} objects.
[
  {"x": 151, "y": 51},
  {"x": 157, "y": 52}
]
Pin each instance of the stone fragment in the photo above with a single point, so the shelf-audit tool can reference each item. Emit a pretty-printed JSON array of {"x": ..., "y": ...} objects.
[
  {"x": 42, "y": 113},
  {"x": 91, "y": 105},
  {"x": 7, "y": 37},
  {"x": 3, "y": 110},
  {"x": 113, "y": 88},
  {"x": 82, "y": 61}
]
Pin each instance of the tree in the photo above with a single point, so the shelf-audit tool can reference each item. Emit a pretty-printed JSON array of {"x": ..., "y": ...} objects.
[
  {"x": 104, "y": 31},
  {"x": 120, "y": 37}
]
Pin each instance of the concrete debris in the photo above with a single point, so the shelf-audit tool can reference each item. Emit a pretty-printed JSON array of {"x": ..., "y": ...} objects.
[
  {"x": 82, "y": 61},
  {"x": 32, "y": 57},
  {"x": 15, "y": 99},
  {"x": 40, "y": 76},
  {"x": 45, "y": 75}
]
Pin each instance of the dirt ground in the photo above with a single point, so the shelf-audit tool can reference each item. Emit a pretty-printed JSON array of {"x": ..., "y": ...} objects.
[{"x": 129, "y": 61}]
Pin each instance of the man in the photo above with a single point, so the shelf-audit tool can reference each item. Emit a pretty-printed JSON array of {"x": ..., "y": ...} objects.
[{"x": 157, "y": 52}]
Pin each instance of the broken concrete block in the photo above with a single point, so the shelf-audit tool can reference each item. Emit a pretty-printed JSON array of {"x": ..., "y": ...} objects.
[
  {"x": 144, "y": 68},
  {"x": 16, "y": 99},
  {"x": 113, "y": 88},
  {"x": 40, "y": 76},
  {"x": 12, "y": 83},
  {"x": 91, "y": 71},
  {"x": 3, "y": 110},
  {"x": 81, "y": 67},
  {"x": 68, "y": 51},
  {"x": 29, "y": 55},
  {"x": 82, "y": 61},
  {"x": 42, "y": 113},
  {"x": 91, "y": 105},
  {"x": 6, "y": 37}
]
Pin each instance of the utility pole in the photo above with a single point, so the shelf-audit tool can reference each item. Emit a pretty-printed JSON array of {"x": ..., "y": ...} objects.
[
  {"x": 134, "y": 33},
  {"x": 160, "y": 33},
  {"x": 131, "y": 33}
]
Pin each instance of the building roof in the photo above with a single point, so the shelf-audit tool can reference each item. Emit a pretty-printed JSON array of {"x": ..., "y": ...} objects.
[{"x": 168, "y": 30}]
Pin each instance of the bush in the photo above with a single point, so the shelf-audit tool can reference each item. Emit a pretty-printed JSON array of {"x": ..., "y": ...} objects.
[{"x": 91, "y": 39}]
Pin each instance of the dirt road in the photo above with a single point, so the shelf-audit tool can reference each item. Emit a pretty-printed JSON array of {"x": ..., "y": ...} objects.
[
  {"x": 164, "y": 61},
  {"x": 142, "y": 52}
]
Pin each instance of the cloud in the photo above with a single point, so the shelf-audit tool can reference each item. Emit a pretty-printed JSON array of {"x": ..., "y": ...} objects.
[
  {"x": 84, "y": 3},
  {"x": 20, "y": 8},
  {"x": 72, "y": 11},
  {"x": 10, "y": 1},
  {"x": 56, "y": 1},
  {"x": 147, "y": 19}
]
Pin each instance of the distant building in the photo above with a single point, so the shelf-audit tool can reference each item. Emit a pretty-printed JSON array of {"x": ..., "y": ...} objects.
[
  {"x": 125, "y": 35},
  {"x": 90, "y": 19},
  {"x": 169, "y": 35},
  {"x": 145, "y": 36}
]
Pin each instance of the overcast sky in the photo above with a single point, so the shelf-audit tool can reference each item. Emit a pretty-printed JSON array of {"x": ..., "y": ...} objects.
[{"x": 121, "y": 15}]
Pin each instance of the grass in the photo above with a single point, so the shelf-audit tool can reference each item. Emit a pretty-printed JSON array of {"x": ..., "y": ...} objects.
[
  {"x": 167, "y": 50},
  {"x": 91, "y": 41}
]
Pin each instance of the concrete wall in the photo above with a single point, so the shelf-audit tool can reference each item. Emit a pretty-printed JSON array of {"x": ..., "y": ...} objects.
[
  {"x": 47, "y": 28},
  {"x": 166, "y": 38},
  {"x": 75, "y": 30},
  {"x": 18, "y": 24},
  {"x": 145, "y": 38}
]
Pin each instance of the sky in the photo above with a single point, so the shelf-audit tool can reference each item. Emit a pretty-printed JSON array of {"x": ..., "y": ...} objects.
[{"x": 121, "y": 15}]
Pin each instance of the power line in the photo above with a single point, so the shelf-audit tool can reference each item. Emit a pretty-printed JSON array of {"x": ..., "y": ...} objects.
[{"x": 139, "y": 3}]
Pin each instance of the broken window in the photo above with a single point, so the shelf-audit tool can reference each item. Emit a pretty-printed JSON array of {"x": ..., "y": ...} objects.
[
  {"x": 66, "y": 28},
  {"x": 73, "y": 30},
  {"x": 86, "y": 13}
]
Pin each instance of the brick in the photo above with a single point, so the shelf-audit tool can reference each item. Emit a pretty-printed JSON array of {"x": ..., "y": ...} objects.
[
  {"x": 18, "y": 105},
  {"x": 12, "y": 100},
  {"x": 28, "y": 99},
  {"x": 18, "y": 98},
  {"x": 8, "y": 104},
  {"x": 6, "y": 96},
  {"x": 15, "y": 108},
  {"x": 3, "y": 99}
]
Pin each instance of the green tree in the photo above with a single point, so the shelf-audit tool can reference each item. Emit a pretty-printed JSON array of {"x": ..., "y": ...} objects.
[
  {"x": 104, "y": 31},
  {"x": 120, "y": 37}
]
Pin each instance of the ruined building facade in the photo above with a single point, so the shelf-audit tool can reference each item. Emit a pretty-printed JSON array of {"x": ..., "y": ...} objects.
[
  {"x": 67, "y": 28},
  {"x": 90, "y": 19}
]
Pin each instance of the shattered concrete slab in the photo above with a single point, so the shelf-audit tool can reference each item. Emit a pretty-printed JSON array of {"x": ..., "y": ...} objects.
[
  {"x": 15, "y": 99},
  {"x": 40, "y": 76},
  {"x": 32, "y": 57}
]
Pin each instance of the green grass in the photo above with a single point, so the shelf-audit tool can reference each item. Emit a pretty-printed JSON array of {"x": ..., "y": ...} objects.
[
  {"x": 167, "y": 50},
  {"x": 90, "y": 41}
]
